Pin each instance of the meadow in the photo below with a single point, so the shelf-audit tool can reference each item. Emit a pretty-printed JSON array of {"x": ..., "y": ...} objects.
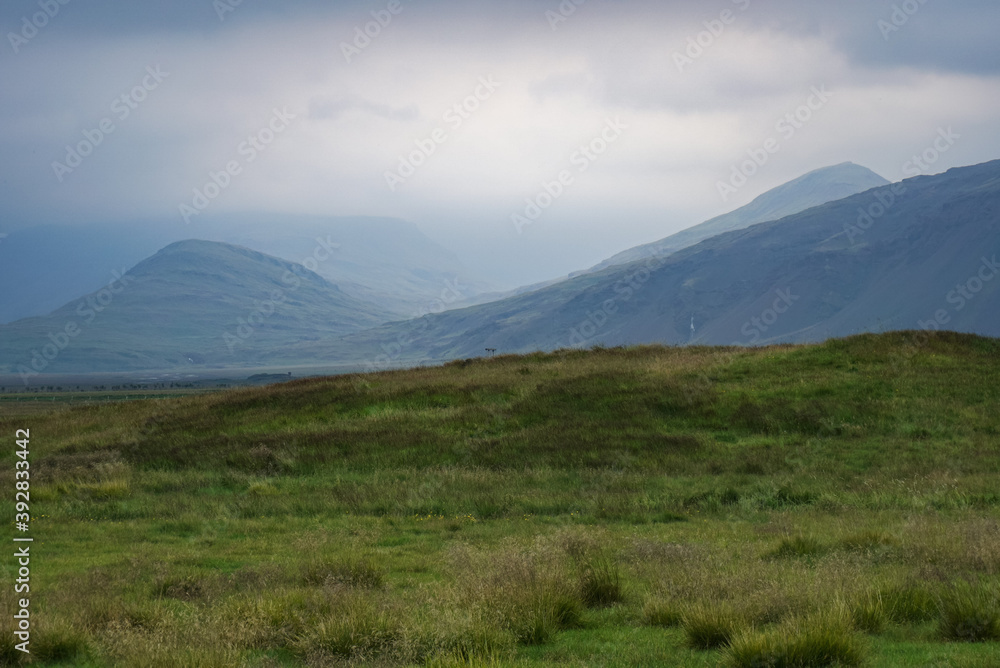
[{"x": 823, "y": 505}]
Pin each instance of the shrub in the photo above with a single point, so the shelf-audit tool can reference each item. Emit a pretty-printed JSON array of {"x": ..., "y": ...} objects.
[{"x": 970, "y": 613}]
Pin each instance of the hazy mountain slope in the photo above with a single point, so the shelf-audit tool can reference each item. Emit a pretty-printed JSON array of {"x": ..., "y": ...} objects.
[
  {"x": 820, "y": 186},
  {"x": 386, "y": 261},
  {"x": 836, "y": 279},
  {"x": 194, "y": 302},
  {"x": 44, "y": 266},
  {"x": 812, "y": 189}
]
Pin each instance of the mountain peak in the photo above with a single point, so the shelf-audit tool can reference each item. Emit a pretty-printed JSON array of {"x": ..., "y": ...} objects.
[{"x": 826, "y": 184}]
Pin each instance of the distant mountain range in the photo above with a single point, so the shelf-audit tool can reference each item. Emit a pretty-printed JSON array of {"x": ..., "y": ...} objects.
[
  {"x": 385, "y": 261},
  {"x": 192, "y": 303},
  {"x": 820, "y": 186},
  {"x": 920, "y": 253}
]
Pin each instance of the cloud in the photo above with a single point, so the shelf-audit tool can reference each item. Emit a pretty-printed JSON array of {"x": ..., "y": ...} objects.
[{"x": 355, "y": 121}]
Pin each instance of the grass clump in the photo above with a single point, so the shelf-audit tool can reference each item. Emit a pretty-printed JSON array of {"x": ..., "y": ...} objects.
[
  {"x": 798, "y": 547},
  {"x": 662, "y": 612},
  {"x": 870, "y": 614},
  {"x": 59, "y": 641},
  {"x": 540, "y": 614},
  {"x": 822, "y": 640},
  {"x": 710, "y": 625},
  {"x": 358, "y": 572},
  {"x": 601, "y": 583},
  {"x": 970, "y": 613},
  {"x": 356, "y": 628},
  {"x": 910, "y": 604},
  {"x": 523, "y": 592}
]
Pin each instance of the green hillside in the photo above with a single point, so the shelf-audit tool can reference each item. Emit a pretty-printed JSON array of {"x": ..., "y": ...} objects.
[{"x": 779, "y": 506}]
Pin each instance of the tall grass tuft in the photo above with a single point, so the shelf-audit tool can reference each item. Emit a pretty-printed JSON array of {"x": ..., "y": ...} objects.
[
  {"x": 870, "y": 614},
  {"x": 601, "y": 583},
  {"x": 662, "y": 612},
  {"x": 357, "y": 628},
  {"x": 814, "y": 642},
  {"x": 58, "y": 641},
  {"x": 352, "y": 571},
  {"x": 910, "y": 603},
  {"x": 970, "y": 613},
  {"x": 710, "y": 625},
  {"x": 803, "y": 547}
]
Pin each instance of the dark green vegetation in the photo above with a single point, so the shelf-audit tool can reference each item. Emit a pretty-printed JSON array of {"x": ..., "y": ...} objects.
[{"x": 786, "y": 506}]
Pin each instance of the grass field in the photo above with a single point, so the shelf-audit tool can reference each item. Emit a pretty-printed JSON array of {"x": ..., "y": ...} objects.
[{"x": 823, "y": 505}]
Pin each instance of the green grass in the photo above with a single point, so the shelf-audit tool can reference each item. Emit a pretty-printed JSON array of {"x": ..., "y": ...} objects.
[{"x": 791, "y": 505}]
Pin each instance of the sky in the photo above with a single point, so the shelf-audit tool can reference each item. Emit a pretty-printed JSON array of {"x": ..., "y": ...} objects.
[{"x": 533, "y": 137}]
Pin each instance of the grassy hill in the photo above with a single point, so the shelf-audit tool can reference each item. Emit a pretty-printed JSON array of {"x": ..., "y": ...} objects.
[{"x": 785, "y": 506}]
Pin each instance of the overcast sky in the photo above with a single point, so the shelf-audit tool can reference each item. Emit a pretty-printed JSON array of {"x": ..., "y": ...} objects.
[{"x": 670, "y": 95}]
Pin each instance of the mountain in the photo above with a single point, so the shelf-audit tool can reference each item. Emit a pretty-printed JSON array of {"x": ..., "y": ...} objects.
[
  {"x": 916, "y": 254},
  {"x": 192, "y": 303},
  {"x": 383, "y": 260},
  {"x": 819, "y": 186}
]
